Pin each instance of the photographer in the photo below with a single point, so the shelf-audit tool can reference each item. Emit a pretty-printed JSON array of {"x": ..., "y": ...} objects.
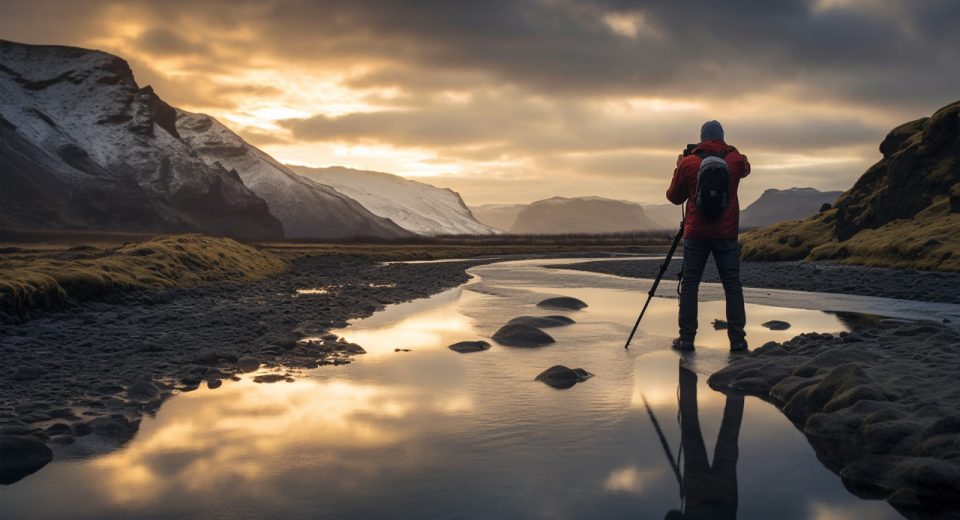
[{"x": 706, "y": 180}]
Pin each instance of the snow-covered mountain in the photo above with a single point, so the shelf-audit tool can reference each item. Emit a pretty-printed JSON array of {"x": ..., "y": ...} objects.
[
  {"x": 415, "y": 206},
  {"x": 306, "y": 208},
  {"x": 781, "y": 205},
  {"x": 559, "y": 215},
  {"x": 84, "y": 147}
]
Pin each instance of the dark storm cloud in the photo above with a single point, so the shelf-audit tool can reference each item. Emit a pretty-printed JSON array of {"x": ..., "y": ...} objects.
[{"x": 900, "y": 50}]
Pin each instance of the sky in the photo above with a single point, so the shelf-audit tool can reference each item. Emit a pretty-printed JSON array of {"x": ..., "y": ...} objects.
[{"x": 511, "y": 101}]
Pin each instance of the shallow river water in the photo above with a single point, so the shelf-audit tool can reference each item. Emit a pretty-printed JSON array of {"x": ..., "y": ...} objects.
[{"x": 430, "y": 433}]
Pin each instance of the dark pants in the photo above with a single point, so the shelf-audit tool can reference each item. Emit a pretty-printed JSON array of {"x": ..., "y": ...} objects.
[
  {"x": 709, "y": 491},
  {"x": 727, "y": 255}
]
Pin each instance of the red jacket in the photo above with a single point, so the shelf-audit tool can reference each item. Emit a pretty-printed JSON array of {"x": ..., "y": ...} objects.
[{"x": 683, "y": 188}]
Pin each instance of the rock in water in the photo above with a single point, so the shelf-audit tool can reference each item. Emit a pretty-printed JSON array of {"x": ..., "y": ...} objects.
[
  {"x": 522, "y": 336},
  {"x": 562, "y": 302},
  {"x": 776, "y": 325},
  {"x": 21, "y": 456},
  {"x": 542, "y": 322},
  {"x": 466, "y": 347},
  {"x": 719, "y": 325},
  {"x": 559, "y": 376}
]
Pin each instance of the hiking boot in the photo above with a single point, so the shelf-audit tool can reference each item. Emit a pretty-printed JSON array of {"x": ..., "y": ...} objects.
[
  {"x": 682, "y": 344},
  {"x": 739, "y": 346}
]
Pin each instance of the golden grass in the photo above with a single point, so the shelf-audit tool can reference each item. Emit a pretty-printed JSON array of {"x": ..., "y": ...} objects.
[
  {"x": 792, "y": 240},
  {"x": 929, "y": 241},
  {"x": 40, "y": 280}
]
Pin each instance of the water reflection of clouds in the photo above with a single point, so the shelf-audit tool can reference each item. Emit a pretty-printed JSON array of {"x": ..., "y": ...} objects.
[
  {"x": 631, "y": 479},
  {"x": 207, "y": 439}
]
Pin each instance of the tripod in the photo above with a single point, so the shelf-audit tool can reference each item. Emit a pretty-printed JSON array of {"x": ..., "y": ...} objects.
[{"x": 656, "y": 283}]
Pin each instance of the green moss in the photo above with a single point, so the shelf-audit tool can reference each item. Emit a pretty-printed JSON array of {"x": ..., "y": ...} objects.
[{"x": 46, "y": 280}]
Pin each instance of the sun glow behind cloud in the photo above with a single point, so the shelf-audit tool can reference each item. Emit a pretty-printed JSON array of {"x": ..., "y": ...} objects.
[{"x": 522, "y": 100}]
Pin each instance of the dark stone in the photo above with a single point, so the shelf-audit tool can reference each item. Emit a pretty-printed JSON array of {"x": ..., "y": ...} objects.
[
  {"x": 542, "y": 322},
  {"x": 206, "y": 357},
  {"x": 561, "y": 377},
  {"x": 21, "y": 456},
  {"x": 466, "y": 347},
  {"x": 522, "y": 336},
  {"x": 142, "y": 388},
  {"x": 115, "y": 428},
  {"x": 776, "y": 325},
  {"x": 719, "y": 324},
  {"x": 248, "y": 364},
  {"x": 562, "y": 302},
  {"x": 269, "y": 378}
]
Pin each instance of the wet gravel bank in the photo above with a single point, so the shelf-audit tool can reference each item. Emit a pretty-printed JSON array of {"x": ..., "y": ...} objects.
[
  {"x": 906, "y": 284},
  {"x": 92, "y": 371}
]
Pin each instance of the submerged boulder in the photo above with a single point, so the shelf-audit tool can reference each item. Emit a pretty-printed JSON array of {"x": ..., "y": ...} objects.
[
  {"x": 562, "y": 302},
  {"x": 518, "y": 335},
  {"x": 542, "y": 322},
  {"x": 561, "y": 377},
  {"x": 776, "y": 325},
  {"x": 466, "y": 347},
  {"x": 21, "y": 456}
]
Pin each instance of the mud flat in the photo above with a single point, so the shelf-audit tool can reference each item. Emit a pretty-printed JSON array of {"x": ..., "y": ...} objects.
[
  {"x": 906, "y": 284},
  {"x": 880, "y": 405}
]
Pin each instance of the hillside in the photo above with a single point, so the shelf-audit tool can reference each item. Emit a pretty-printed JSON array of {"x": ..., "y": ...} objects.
[
  {"x": 306, "y": 208},
  {"x": 781, "y": 205},
  {"x": 84, "y": 147},
  {"x": 560, "y": 215},
  {"x": 415, "y": 206},
  {"x": 903, "y": 212},
  {"x": 499, "y": 216}
]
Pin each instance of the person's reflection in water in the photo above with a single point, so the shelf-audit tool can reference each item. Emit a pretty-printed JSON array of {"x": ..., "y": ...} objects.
[{"x": 708, "y": 491}]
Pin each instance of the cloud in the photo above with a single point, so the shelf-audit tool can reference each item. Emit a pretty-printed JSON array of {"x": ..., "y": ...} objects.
[{"x": 578, "y": 88}]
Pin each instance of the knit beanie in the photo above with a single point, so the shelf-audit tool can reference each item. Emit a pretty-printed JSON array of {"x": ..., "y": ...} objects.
[{"x": 711, "y": 131}]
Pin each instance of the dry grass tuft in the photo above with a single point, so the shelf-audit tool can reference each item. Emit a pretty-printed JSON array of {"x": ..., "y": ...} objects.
[
  {"x": 929, "y": 241},
  {"x": 45, "y": 280}
]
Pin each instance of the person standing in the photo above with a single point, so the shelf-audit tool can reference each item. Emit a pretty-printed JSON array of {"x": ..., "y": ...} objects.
[{"x": 706, "y": 180}]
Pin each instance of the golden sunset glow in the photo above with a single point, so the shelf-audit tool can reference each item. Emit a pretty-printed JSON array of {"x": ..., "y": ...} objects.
[{"x": 570, "y": 98}]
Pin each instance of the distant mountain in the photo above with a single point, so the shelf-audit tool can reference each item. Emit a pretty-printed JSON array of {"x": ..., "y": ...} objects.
[
  {"x": 415, "y": 206},
  {"x": 559, "y": 215},
  {"x": 84, "y": 147},
  {"x": 499, "y": 216},
  {"x": 664, "y": 216},
  {"x": 781, "y": 205},
  {"x": 306, "y": 209},
  {"x": 903, "y": 212}
]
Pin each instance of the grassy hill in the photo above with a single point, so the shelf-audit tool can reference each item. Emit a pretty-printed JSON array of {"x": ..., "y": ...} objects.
[{"x": 904, "y": 212}]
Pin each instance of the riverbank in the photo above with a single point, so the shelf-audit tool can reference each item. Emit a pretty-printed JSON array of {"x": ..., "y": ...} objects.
[
  {"x": 880, "y": 405},
  {"x": 905, "y": 284},
  {"x": 94, "y": 369}
]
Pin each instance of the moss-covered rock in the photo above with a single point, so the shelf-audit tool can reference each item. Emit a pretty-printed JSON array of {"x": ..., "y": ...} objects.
[{"x": 903, "y": 212}]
